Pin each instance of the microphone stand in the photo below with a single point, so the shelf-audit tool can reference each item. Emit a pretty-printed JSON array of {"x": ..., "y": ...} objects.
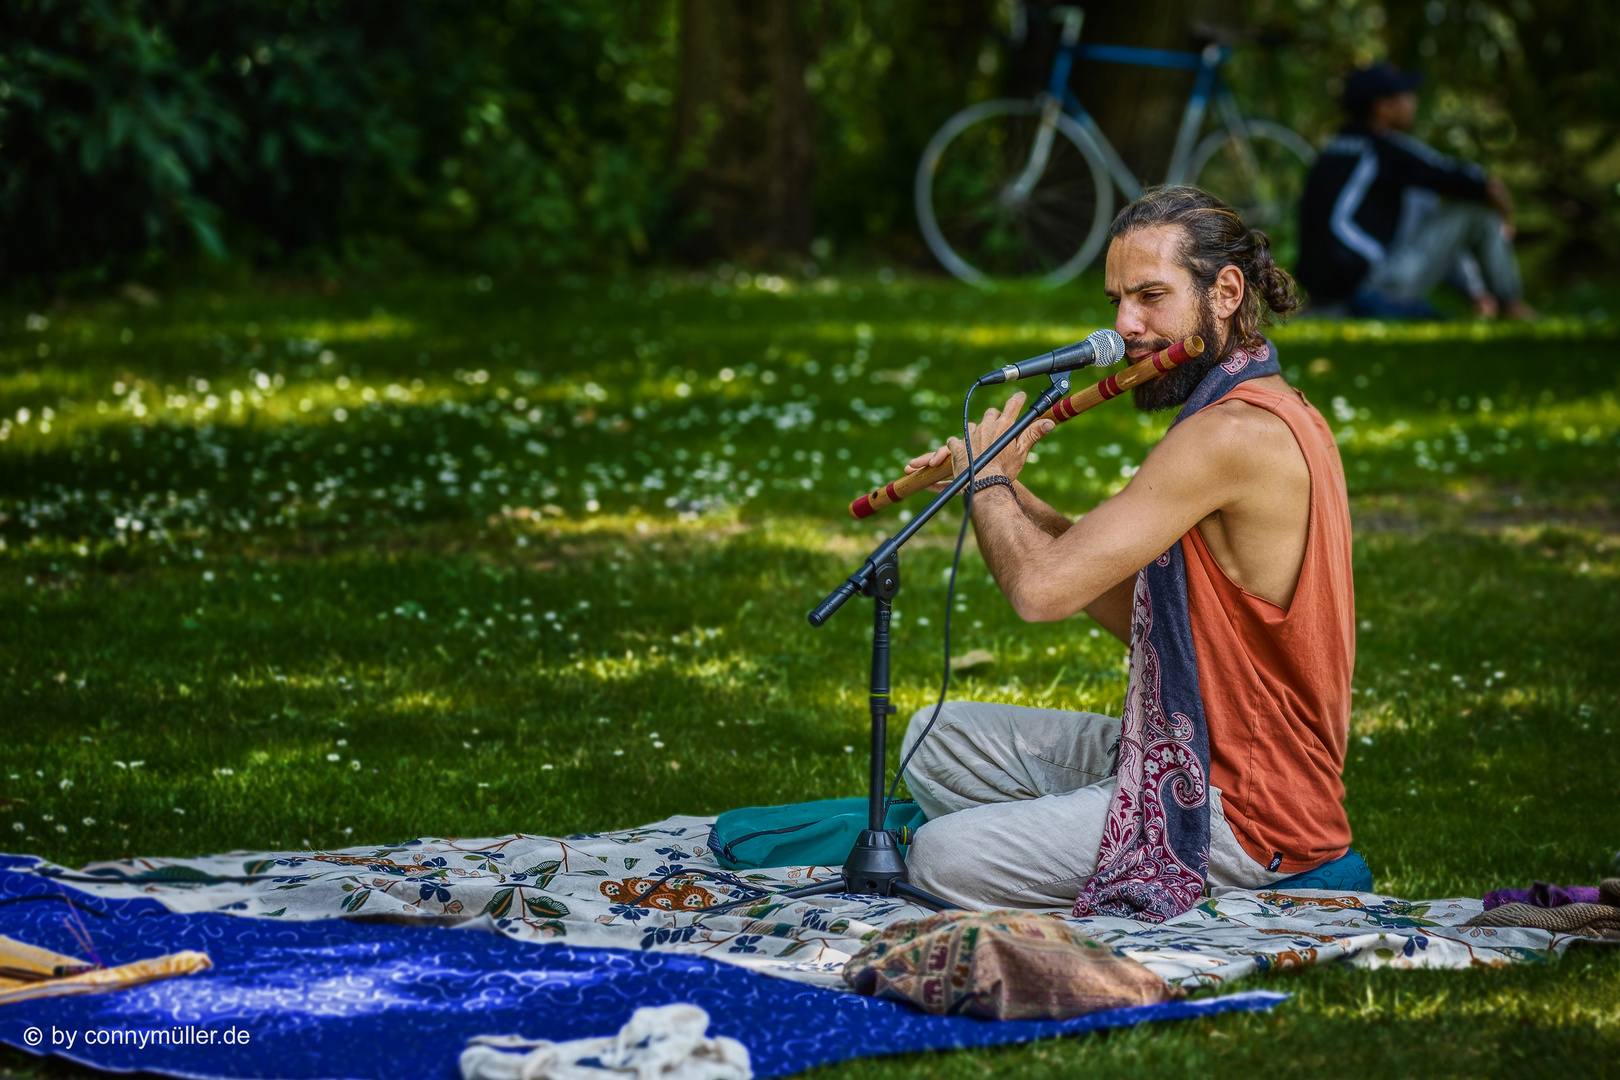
[{"x": 875, "y": 866}]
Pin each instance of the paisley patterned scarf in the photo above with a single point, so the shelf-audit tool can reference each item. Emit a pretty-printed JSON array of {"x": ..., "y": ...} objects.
[{"x": 1155, "y": 847}]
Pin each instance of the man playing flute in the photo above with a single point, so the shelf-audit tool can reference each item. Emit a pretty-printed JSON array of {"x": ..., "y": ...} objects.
[{"x": 1224, "y": 564}]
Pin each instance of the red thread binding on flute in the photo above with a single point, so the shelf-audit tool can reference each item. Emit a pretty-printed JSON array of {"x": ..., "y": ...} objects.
[
  {"x": 1109, "y": 387},
  {"x": 862, "y": 507},
  {"x": 888, "y": 489}
]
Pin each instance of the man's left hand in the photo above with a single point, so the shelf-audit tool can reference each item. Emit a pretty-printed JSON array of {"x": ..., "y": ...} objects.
[{"x": 1010, "y": 462}]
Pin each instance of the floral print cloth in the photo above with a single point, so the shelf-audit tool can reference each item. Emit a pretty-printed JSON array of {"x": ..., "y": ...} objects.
[{"x": 639, "y": 888}]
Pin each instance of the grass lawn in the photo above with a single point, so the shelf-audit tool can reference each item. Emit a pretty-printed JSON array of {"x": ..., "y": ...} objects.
[{"x": 281, "y": 567}]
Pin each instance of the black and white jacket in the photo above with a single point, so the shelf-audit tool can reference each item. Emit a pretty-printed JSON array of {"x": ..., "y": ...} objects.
[{"x": 1365, "y": 192}]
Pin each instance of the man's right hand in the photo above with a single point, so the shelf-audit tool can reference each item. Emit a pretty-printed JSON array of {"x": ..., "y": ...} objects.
[{"x": 928, "y": 461}]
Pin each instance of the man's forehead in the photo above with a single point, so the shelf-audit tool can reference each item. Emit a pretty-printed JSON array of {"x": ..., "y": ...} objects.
[{"x": 1144, "y": 257}]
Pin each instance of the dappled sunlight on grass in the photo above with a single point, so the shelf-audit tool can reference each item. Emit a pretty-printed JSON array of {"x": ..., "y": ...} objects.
[
  {"x": 379, "y": 325},
  {"x": 1309, "y": 331}
]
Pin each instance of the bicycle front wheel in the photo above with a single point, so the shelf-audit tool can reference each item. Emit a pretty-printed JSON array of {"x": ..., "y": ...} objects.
[
  {"x": 1261, "y": 174},
  {"x": 999, "y": 199}
]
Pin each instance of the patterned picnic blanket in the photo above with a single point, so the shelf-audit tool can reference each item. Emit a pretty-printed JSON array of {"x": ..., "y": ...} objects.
[{"x": 637, "y": 888}]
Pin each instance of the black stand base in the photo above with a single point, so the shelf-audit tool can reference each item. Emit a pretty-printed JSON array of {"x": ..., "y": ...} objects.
[{"x": 875, "y": 868}]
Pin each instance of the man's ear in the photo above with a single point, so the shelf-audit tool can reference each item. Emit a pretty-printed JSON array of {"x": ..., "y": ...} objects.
[{"x": 1226, "y": 295}]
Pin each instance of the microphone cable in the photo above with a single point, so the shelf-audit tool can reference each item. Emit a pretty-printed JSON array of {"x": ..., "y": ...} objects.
[{"x": 950, "y": 596}]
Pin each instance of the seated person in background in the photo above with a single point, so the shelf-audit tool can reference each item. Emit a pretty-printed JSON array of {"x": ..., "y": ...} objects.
[
  {"x": 1385, "y": 218},
  {"x": 1224, "y": 564}
]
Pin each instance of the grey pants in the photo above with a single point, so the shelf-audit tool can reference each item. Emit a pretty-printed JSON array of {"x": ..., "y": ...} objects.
[
  {"x": 1457, "y": 235},
  {"x": 1016, "y": 800}
]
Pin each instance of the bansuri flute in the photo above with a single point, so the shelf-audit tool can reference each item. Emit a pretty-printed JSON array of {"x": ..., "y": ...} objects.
[{"x": 1067, "y": 409}]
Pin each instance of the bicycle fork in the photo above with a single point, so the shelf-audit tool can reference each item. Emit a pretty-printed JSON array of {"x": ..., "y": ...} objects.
[
  {"x": 1051, "y": 109},
  {"x": 1040, "y": 153}
]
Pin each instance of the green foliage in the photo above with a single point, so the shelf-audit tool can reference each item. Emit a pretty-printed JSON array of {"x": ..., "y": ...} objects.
[
  {"x": 104, "y": 128},
  {"x": 532, "y": 130},
  {"x": 888, "y": 74},
  {"x": 549, "y": 134}
]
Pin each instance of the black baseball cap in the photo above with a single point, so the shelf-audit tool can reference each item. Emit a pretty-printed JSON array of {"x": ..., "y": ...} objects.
[{"x": 1366, "y": 85}]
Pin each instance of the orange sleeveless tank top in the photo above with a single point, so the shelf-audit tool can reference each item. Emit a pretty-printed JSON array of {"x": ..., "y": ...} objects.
[{"x": 1275, "y": 683}]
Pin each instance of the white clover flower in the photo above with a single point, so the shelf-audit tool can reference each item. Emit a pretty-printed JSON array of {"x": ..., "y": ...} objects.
[
  {"x": 89, "y": 821},
  {"x": 66, "y": 784},
  {"x": 61, "y": 828},
  {"x": 334, "y": 757},
  {"x": 355, "y": 765}
]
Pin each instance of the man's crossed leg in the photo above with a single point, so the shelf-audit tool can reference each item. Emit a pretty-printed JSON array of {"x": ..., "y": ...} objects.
[{"x": 1016, "y": 800}]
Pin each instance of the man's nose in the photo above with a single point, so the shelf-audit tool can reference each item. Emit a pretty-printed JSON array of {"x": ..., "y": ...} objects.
[{"x": 1128, "y": 323}]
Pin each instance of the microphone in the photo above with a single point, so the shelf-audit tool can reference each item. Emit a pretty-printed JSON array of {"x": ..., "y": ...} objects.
[{"x": 1102, "y": 348}]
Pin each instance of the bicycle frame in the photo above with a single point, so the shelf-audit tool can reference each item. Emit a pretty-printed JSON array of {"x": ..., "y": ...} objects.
[
  {"x": 1207, "y": 87},
  {"x": 1236, "y": 146}
]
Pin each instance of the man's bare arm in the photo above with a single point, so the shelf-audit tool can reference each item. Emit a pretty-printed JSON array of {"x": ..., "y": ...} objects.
[
  {"x": 1194, "y": 471},
  {"x": 1111, "y": 610},
  {"x": 1041, "y": 513},
  {"x": 1112, "y": 607}
]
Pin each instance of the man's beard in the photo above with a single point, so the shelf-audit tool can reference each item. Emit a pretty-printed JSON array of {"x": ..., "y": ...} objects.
[{"x": 1172, "y": 389}]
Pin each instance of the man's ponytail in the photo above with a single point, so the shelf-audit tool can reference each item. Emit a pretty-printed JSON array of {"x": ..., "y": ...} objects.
[
  {"x": 1214, "y": 236},
  {"x": 1274, "y": 284}
]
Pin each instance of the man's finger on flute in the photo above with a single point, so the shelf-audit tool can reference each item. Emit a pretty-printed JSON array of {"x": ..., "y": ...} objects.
[
  {"x": 928, "y": 460},
  {"x": 1010, "y": 461}
]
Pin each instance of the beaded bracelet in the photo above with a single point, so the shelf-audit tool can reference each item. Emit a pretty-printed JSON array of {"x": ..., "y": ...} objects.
[{"x": 998, "y": 481}]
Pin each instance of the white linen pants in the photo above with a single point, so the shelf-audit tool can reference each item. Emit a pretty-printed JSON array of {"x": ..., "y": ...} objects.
[{"x": 1016, "y": 800}]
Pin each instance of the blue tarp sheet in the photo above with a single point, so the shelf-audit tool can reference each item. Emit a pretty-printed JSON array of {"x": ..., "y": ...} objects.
[{"x": 337, "y": 999}]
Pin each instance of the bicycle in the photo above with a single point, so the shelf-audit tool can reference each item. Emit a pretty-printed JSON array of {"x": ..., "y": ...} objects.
[{"x": 999, "y": 194}]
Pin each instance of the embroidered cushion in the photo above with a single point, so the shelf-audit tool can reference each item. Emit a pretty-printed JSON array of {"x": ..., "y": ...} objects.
[{"x": 1001, "y": 965}]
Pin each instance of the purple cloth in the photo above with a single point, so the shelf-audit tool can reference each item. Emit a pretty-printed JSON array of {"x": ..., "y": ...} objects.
[{"x": 1542, "y": 894}]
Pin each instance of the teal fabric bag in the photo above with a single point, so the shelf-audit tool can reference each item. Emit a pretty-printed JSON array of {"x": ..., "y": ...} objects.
[
  {"x": 800, "y": 834},
  {"x": 1348, "y": 873}
]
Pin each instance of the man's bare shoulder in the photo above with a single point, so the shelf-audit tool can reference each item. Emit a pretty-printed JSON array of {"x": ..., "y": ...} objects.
[{"x": 1234, "y": 436}]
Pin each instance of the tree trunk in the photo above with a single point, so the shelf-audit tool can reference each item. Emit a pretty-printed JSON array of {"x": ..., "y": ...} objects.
[{"x": 745, "y": 128}]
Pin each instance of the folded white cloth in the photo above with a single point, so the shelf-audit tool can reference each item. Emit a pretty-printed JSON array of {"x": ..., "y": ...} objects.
[{"x": 667, "y": 1042}]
